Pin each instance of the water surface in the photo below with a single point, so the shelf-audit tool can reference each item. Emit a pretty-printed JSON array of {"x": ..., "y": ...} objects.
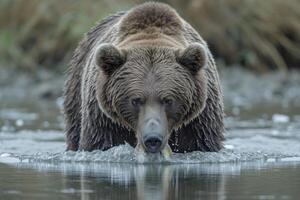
[{"x": 259, "y": 180}]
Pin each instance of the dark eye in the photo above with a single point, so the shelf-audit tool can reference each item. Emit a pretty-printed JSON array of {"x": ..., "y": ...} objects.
[
  {"x": 136, "y": 102},
  {"x": 167, "y": 101}
]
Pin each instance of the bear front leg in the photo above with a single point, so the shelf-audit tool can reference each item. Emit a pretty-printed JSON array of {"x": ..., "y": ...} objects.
[
  {"x": 72, "y": 115},
  {"x": 94, "y": 137},
  {"x": 98, "y": 140},
  {"x": 72, "y": 136},
  {"x": 99, "y": 132},
  {"x": 104, "y": 138}
]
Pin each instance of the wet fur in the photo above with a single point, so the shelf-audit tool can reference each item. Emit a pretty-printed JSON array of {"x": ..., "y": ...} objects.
[{"x": 90, "y": 126}]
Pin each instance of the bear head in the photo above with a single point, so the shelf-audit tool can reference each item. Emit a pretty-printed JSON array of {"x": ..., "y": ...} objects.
[{"x": 151, "y": 90}]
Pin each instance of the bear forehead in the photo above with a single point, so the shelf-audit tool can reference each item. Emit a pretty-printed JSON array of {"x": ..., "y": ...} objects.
[
  {"x": 153, "y": 84},
  {"x": 153, "y": 64},
  {"x": 155, "y": 79}
]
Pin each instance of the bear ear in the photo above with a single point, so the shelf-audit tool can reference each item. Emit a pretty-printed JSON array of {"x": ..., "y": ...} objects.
[
  {"x": 194, "y": 57},
  {"x": 109, "y": 58}
]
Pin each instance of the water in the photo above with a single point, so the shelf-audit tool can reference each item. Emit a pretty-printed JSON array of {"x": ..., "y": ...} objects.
[
  {"x": 258, "y": 180},
  {"x": 261, "y": 158}
]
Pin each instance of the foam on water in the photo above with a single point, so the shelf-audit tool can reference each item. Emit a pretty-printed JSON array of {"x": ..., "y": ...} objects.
[{"x": 47, "y": 146}]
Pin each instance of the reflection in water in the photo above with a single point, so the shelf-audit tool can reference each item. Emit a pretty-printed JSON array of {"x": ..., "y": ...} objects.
[
  {"x": 153, "y": 181},
  {"x": 133, "y": 181}
]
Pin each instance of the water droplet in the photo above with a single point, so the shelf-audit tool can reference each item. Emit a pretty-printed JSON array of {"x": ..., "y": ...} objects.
[{"x": 19, "y": 122}]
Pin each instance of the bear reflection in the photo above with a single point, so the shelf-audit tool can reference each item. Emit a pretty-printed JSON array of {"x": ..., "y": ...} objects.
[{"x": 122, "y": 181}]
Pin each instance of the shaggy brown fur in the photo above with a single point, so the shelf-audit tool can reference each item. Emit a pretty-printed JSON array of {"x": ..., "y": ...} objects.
[{"x": 147, "y": 51}]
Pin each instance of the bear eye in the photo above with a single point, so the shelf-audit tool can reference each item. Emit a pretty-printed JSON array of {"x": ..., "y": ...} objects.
[
  {"x": 136, "y": 102},
  {"x": 167, "y": 101}
]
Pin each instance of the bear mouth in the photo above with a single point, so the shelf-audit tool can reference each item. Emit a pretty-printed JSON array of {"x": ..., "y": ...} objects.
[{"x": 143, "y": 155}]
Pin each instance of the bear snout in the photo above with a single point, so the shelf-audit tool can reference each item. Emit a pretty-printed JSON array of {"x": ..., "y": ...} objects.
[
  {"x": 153, "y": 143},
  {"x": 153, "y": 135}
]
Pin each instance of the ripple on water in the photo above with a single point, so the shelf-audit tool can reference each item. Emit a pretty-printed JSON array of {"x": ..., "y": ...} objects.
[{"x": 126, "y": 154}]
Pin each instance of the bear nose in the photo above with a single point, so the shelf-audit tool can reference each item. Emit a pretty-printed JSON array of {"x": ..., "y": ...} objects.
[{"x": 153, "y": 144}]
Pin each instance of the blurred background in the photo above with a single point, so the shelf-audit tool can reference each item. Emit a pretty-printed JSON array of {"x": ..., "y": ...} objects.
[{"x": 254, "y": 34}]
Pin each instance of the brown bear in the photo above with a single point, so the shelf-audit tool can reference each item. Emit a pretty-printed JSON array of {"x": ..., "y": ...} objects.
[{"x": 147, "y": 78}]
